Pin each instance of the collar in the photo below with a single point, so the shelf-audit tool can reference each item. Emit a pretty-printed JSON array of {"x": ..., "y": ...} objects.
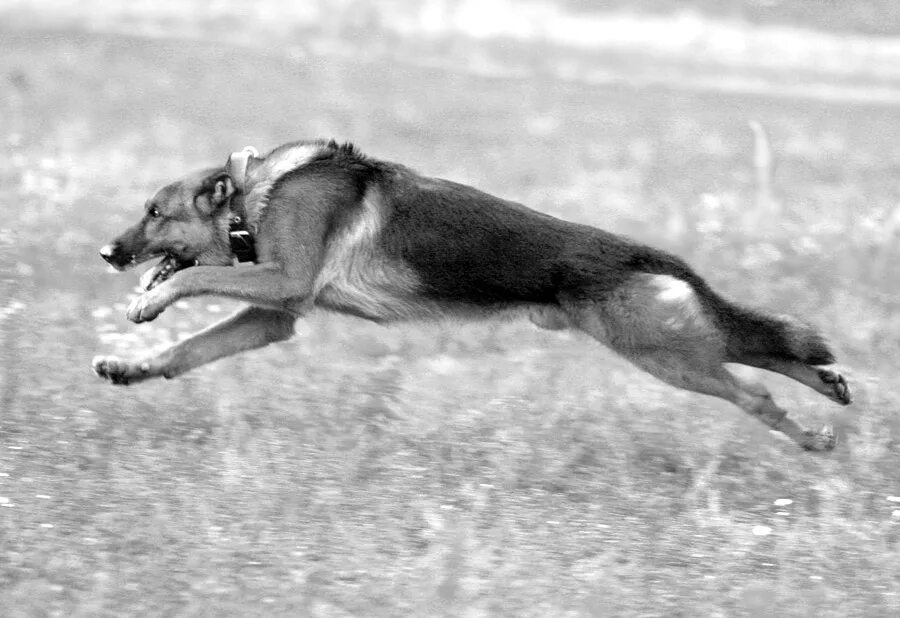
[{"x": 243, "y": 245}]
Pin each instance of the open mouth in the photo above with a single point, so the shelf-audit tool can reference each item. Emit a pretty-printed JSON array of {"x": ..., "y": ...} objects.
[{"x": 163, "y": 270}]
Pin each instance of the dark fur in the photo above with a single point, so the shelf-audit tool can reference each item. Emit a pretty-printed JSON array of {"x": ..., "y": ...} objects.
[{"x": 346, "y": 232}]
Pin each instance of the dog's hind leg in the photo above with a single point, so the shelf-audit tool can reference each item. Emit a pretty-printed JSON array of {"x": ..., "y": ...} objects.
[
  {"x": 714, "y": 379},
  {"x": 825, "y": 381},
  {"x": 249, "y": 328},
  {"x": 658, "y": 323}
]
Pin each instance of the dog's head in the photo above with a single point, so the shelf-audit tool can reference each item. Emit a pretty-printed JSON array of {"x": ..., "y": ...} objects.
[{"x": 185, "y": 222}]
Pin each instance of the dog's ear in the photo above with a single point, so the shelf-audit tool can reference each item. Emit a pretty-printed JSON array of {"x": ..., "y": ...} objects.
[
  {"x": 214, "y": 191},
  {"x": 222, "y": 190}
]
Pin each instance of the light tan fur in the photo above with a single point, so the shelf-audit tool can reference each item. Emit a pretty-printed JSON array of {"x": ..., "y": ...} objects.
[
  {"x": 357, "y": 277},
  {"x": 650, "y": 312}
]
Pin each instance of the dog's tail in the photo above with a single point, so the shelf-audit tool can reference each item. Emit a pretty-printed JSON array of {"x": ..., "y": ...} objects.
[{"x": 752, "y": 333}]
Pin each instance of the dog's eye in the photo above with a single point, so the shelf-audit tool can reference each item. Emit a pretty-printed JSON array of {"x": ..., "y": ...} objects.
[{"x": 153, "y": 212}]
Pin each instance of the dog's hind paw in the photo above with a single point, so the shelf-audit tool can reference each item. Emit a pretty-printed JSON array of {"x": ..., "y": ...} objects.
[
  {"x": 119, "y": 371},
  {"x": 840, "y": 388}
]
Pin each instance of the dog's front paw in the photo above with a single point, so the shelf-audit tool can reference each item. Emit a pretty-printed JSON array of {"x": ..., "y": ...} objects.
[
  {"x": 822, "y": 440},
  {"x": 119, "y": 371},
  {"x": 146, "y": 307}
]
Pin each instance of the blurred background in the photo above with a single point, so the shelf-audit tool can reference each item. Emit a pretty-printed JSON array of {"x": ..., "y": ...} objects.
[{"x": 452, "y": 469}]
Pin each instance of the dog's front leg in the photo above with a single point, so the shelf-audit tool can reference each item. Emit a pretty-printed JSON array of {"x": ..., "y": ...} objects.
[
  {"x": 260, "y": 284},
  {"x": 249, "y": 328},
  {"x": 151, "y": 303}
]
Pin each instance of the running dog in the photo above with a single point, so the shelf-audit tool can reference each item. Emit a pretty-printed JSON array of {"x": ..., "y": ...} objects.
[{"x": 326, "y": 226}]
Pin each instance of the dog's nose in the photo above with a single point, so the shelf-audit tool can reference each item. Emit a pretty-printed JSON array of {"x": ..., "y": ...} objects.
[{"x": 108, "y": 252}]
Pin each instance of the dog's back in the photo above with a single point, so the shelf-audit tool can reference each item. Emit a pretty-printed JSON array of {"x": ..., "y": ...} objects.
[
  {"x": 431, "y": 246},
  {"x": 459, "y": 247}
]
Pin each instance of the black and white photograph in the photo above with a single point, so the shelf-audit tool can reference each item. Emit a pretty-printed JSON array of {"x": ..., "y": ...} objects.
[{"x": 451, "y": 308}]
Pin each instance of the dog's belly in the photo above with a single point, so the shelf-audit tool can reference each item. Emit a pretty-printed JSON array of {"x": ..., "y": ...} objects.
[{"x": 377, "y": 290}]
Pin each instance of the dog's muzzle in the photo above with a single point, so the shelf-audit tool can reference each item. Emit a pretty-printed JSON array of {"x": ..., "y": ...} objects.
[{"x": 115, "y": 256}]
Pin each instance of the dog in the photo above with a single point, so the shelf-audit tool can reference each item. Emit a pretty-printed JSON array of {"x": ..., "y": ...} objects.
[{"x": 326, "y": 226}]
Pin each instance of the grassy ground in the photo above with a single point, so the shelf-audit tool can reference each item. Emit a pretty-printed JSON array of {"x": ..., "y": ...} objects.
[{"x": 422, "y": 470}]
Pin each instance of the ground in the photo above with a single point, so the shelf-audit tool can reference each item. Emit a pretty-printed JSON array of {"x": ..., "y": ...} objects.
[{"x": 436, "y": 469}]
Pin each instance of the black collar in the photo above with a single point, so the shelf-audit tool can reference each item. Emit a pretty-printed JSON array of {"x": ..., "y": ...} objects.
[{"x": 243, "y": 245}]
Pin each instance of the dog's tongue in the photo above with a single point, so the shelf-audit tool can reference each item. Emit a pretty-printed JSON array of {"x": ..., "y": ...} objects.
[{"x": 159, "y": 273}]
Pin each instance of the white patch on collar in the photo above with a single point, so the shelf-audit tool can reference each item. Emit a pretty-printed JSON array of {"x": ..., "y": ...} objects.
[
  {"x": 279, "y": 162},
  {"x": 237, "y": 165}
]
